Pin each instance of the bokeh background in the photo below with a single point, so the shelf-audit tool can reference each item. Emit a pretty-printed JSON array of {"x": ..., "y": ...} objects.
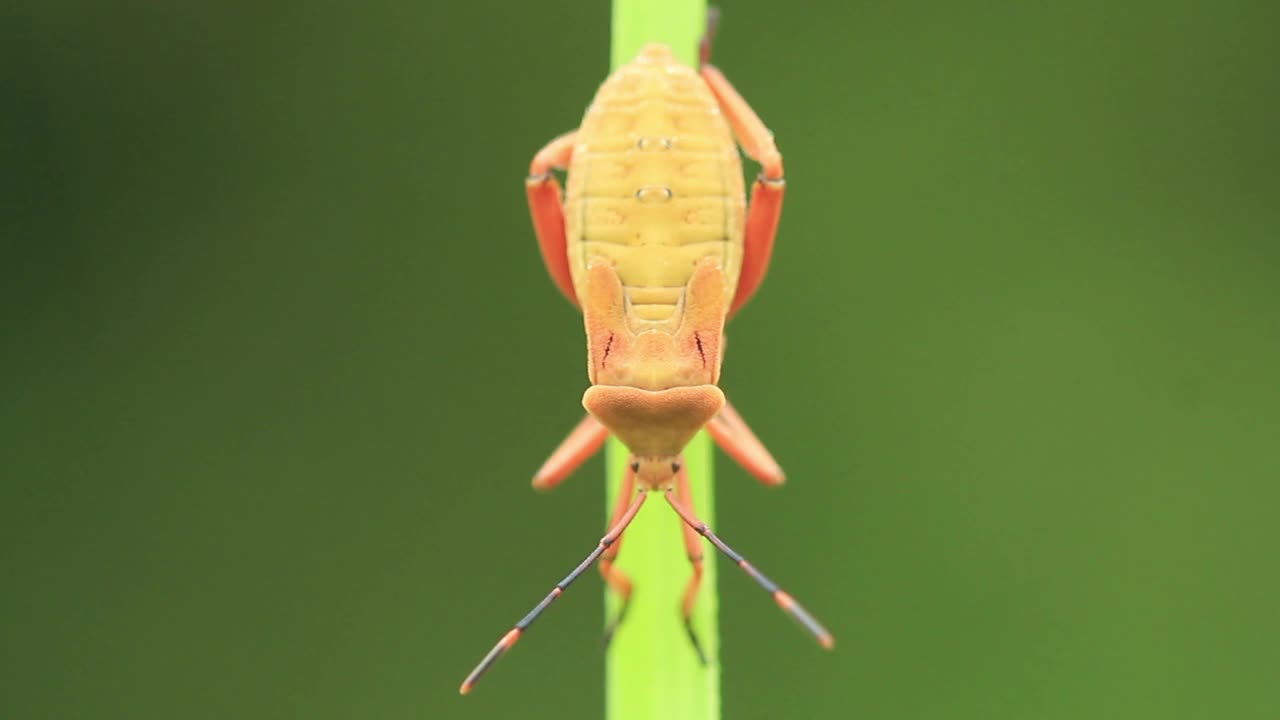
[{"x": 279, "y": 358}]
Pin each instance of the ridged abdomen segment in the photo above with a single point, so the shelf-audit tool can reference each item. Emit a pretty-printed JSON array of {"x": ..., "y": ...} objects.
[{"x": 655, "y": 185}]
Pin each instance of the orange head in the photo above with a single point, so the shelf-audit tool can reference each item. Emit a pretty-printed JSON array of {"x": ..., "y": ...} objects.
[
  {"x": 653, "y": 385},
  {"x": 655, "y": 425}
]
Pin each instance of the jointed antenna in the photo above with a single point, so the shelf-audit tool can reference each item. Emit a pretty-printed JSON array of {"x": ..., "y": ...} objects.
[
  {"x": 784, "y": 600},
  {"x": 514, "y": 634}
]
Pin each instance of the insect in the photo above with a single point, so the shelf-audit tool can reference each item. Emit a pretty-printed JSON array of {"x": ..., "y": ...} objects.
[{"x": 653, "y": 240}]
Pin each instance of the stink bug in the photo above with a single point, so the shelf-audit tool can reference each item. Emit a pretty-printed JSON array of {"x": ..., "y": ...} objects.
[{"x": 653, "y": 240}]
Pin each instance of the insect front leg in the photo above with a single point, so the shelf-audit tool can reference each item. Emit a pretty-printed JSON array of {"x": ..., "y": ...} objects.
[
  {"x": 547, "y": 209},
  {"x": 693, "y": 547},
  {"x": 617, "y": 579},
  {"x": 780, "y": 596}
]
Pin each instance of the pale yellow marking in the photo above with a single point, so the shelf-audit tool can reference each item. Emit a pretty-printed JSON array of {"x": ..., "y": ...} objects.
[{"x": 655, "y": 186}]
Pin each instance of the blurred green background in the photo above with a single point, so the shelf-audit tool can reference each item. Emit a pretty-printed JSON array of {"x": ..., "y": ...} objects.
[{"x": 279, "y": 359}]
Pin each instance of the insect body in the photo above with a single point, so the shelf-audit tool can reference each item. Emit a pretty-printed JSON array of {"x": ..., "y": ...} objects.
[{"x": 652, "y": 239}]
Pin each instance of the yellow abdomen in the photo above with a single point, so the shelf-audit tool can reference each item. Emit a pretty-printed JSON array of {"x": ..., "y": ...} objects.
[{"x": 655, "y": 185}]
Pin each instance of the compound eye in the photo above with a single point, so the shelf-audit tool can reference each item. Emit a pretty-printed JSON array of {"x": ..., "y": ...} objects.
[
  {"x": 675, "y": 467},
  {"x": 635, "y": 467}
]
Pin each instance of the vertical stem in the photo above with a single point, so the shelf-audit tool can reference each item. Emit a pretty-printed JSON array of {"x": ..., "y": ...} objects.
[
  {"x": 678, "y": 24},
  {"x": 652, "y": 670}
]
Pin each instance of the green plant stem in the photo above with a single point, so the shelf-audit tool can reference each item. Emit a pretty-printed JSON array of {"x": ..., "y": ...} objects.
[
  {"x": 652, "y": 671},
  {"x": 678, "y": 24}
]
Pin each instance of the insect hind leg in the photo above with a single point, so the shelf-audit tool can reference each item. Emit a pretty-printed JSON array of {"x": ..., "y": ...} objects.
[
  {"x": 547, "y": 209},
  {"x": 767, "y": 192}
]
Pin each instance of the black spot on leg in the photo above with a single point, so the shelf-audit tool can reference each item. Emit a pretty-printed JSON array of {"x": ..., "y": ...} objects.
[{"x": 697, "y": 338}]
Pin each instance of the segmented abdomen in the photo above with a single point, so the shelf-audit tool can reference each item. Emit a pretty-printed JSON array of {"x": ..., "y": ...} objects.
[{"x": 655, "y": 185}]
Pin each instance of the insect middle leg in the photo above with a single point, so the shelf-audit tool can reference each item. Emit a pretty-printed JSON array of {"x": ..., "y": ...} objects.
[
  {"x": 585, "y": 440},
  {"x": 617, "y": 579},
  {"x": 735, "y": 437},
  {"x": 546, "y": 207}
]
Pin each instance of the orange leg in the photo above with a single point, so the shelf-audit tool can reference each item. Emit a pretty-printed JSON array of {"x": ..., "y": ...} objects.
[
  {"x": 708, "y": 34},
  {"x": 583, "y": 441},
  {"x": 692, "y": 546},
  {"x": 752, "y": 135},
  {"x": 545, "y": 205},
  {"x": 733, "y": 436},
  {"x": 766, "y": 193},
  {"x": 617, "y": 579},
  {"x": 513, "y": 635},
  {"x": 762, "y": 227},
  {"x": 784, "y": 600}
]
